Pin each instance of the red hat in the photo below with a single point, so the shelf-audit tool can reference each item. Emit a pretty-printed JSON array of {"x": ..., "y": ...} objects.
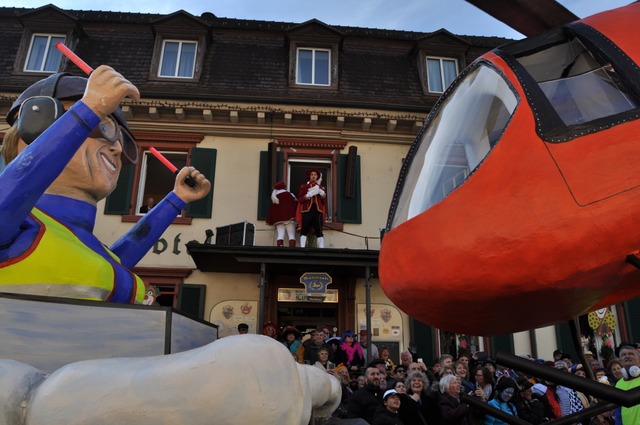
[
  {"x": 279, "y": 186},
  {"x": 310, "y": 170}
]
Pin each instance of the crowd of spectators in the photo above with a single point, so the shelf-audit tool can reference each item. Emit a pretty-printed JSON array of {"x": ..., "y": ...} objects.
[{"x": 377, "y": 391}]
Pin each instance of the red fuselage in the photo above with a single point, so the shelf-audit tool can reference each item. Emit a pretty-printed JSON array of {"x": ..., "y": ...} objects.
[{"x": 539, "y": 231}]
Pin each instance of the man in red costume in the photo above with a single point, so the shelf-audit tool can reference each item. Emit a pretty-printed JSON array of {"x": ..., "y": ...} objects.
[
  {"x": 312, "y": 204},
  {"x": 282, "y": 213}
]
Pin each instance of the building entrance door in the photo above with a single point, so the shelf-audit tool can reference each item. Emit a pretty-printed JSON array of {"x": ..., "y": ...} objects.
[{"x": 307, "y": 316}]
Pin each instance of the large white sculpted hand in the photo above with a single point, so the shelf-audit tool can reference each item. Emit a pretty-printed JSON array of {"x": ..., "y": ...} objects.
[{"x": 227, "y": 380}]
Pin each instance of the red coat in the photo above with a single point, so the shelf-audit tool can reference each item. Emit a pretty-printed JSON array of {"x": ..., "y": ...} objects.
[
  {"x": 285, "y": 210},
  {"x": 304, "y": 204}
]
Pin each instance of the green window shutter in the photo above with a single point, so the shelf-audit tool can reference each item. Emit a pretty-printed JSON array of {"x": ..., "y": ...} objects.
[
  {"x": 119, "y": 202},
  {"x": 264, "y": 186},
  {"x": 425, "y": 340},
  {"x": 349, "y": 208},
  {"x": 204, "y": 160},
  {"x": 564, "y": 341},
  {"x": 191, "y": 300},
  {"x": 502, "y": 343},
  {"x": 632, "y": 313}
]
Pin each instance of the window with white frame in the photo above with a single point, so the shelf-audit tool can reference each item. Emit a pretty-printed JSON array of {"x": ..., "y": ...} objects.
[
  {"x": 43, "y": 55},
  {"x": 149, "y": 178},
  {"x": 440, "y": 73},
  {"x": 313, "y": 66},
  {"x": 155, "y": 180},
  {"x": 178, "y": 59}
]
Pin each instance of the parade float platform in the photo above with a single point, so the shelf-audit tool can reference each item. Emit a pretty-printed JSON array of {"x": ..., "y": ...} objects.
[{"x": 48, "y": 333}]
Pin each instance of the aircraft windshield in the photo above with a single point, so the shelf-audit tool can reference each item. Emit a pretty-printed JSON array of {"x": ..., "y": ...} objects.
[
  {"x": 577, "y": 85},
  {"x": 459, "y": 136}
]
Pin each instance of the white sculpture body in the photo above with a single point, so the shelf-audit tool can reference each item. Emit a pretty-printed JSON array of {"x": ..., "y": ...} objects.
[{"x": 241, "y": 379}]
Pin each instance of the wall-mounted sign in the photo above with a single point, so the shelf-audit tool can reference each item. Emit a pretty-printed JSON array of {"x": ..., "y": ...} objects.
[
  {"x": 293, "y": 295},
  {"x": 316, "y": 283}
]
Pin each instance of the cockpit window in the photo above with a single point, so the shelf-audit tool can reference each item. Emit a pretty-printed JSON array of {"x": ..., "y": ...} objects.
[
  {"x": 576, "y": 81},
  {"x": 579, "y": 87},
  {"x": 466, "y": 126}
]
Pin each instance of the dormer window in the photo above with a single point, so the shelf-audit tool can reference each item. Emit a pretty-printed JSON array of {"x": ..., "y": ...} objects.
[
  {"x": 178, "y": 59},
  {"x": 313, "y": 66},
  {"x": 313, "y": 56},
  {"x": 440, "y": 73},
  {"x": 43, "y": 55},
  {"x": 178, "y": 53},
  {"x": 441, "y": 56}
]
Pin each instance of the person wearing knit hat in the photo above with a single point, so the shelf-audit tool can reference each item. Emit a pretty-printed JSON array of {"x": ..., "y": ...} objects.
[
  {"x": 312, "y": 207},
  {"x": 282, "y": 213},
  {"x": 561, "y": 365}
]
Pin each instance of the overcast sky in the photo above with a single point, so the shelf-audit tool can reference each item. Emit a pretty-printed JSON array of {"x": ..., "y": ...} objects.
[{"x": 456, "y": 16}]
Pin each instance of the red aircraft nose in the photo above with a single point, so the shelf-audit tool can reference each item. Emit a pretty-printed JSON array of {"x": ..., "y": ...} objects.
[{"x": 510, "y": 249}]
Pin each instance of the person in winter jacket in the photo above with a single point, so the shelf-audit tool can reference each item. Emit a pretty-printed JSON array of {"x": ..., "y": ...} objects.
[{"x": 505, "y": 390}]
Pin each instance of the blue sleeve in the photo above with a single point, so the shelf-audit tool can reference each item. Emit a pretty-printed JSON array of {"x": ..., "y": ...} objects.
[
  {"x": 564, "y": 400},
  {"x": 25, "y": 179},
  {"x": 618, "y": 415},
  {"x": 134, "y": 244},
  {"x": 488, "y": 419}
]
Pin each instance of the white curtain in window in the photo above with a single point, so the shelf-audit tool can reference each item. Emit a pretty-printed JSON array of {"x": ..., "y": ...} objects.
[
  {"x": 53, "y": 55},
  {"x": 434, "y": 77},
  {"x": 169, "y": 59},
  {"x": 450, "y": 72},
  {"x": 187, "y": 60},
  {"x": 37, "y": 53},
  {"x": 305, "y": 63},
  {"x": 322, "y": 67}
]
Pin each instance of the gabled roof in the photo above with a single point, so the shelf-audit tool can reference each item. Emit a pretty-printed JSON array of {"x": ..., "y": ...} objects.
[
  {"x": 47, "y": 13},
  {"x": 311, "y": 23},
  {"x": 179, "y": 18},
  {"x": 443, "y": 33}
]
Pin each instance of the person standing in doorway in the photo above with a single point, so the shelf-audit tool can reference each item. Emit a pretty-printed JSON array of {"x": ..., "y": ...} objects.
[{"x": 312, "y": 207}]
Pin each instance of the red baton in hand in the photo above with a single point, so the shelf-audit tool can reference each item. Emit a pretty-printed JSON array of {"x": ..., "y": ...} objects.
[
  {"x": 188, "y": 180},
  {"x": 74, "y": 58}
]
